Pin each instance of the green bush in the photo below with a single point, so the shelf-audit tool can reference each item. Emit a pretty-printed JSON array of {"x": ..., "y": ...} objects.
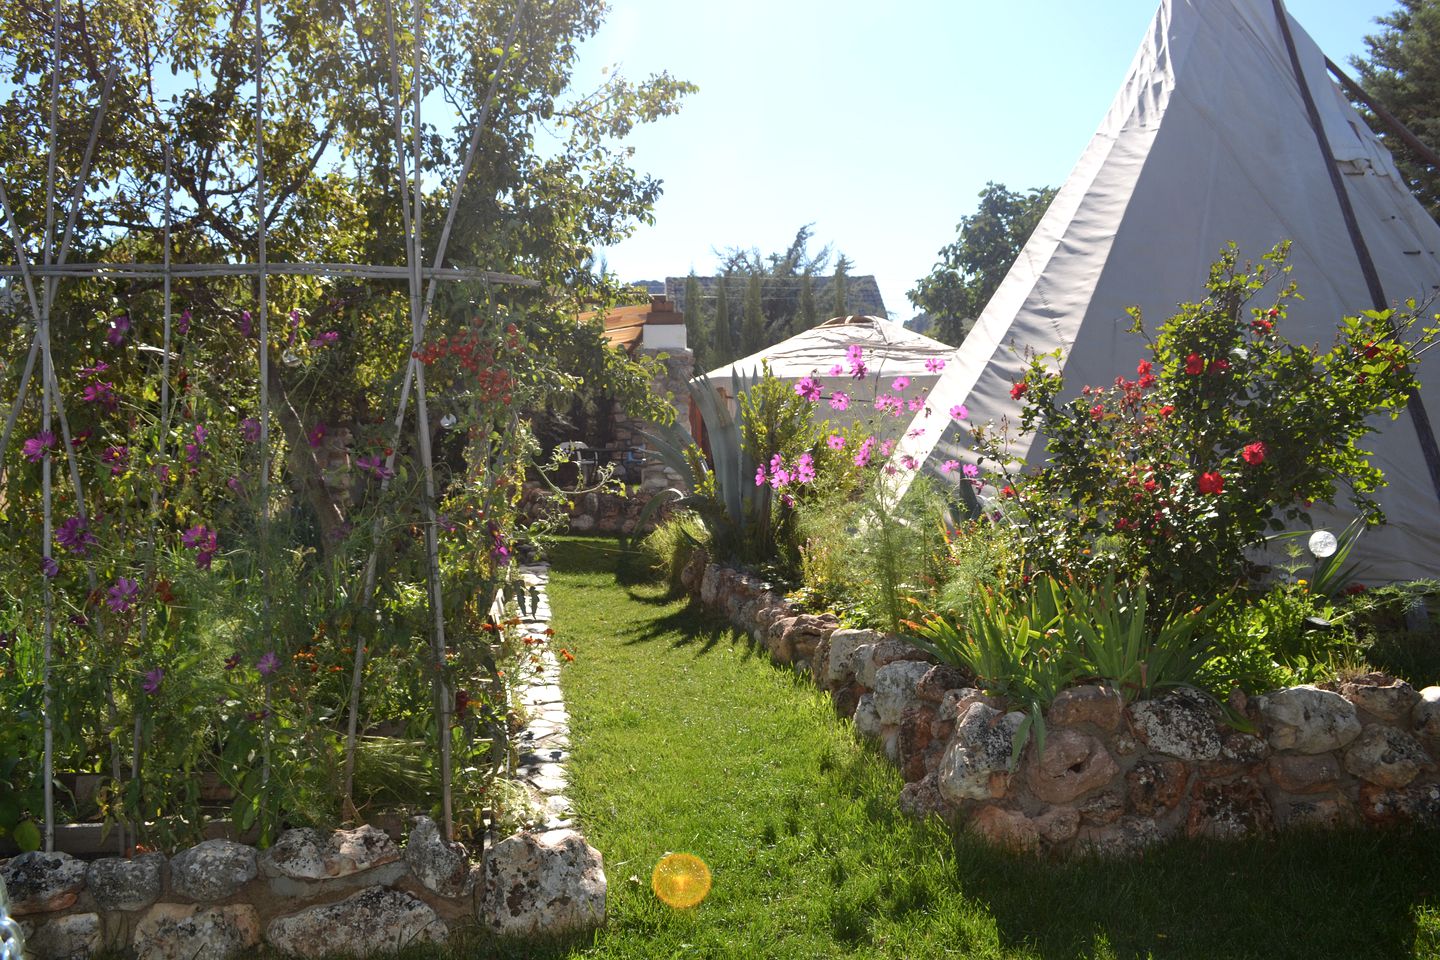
[{"x": 672, "y": 543}]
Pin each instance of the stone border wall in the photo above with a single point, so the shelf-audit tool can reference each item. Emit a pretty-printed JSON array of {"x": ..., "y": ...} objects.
[
  {"x": 597, "y": 512},
  {"x": 315, "y": 893},
  {"x": 1114, "y": 777}
]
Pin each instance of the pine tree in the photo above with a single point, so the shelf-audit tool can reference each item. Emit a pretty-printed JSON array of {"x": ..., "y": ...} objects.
[
  {"x": 697, "y": 331},
  {"x": 752, "y": 328},
  {"x": 805, "y": 318},
  {"x": 839, "y": 286},
  {"x": 724, "y": 339}
]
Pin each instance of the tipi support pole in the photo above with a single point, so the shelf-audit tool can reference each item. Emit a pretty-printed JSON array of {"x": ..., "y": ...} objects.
[
  {"x": 1424, "y": 432},
  {"x": 1391, "y": 122}
]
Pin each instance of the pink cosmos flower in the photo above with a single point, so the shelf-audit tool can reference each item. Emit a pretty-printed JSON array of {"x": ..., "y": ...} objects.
[
  {"x": 934, "y": 365},
  {"x": 887, "y": 448},
  {"x": 779, "y": 478},
  {"x": 909, "y": 462},
  {"x": 36, "y": 447},
  {"x": 268, "y": 664},
  {"x": 376, "y": 466},
  {"x": 119, "y": 327},
  {"x": 805, "y": 468},
  {"x": 100, "y": 367},
  {"x": 917, "y": 432},
  {"x": 808, "y": 388},
  {"x": 101, "y": 393},
  {"x": 900, "y": 384},
  {"x": 760, "y": 477},
  {"x": 316, "y": 435},
  {"x": 152, "y": 682},
  {"x": 326, "y": 339},
  {"x": 247, "y": 330},
  {"x": 915, "y": 403},
  {"x": 250, "y": 429},
  {"x": 970, "y": 470},
  {"x": 836, "y": 442},
  {"x": 862, "y": 456},
  {"x": 950, "y": 466},
  {"x": 839, "y": 400},
  {"x": 837, "y": 371},
  {"x": 959, "y": 412}
]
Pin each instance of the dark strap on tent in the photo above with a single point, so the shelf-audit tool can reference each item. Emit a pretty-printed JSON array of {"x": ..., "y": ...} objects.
[{"x": 1424, "y": 432}]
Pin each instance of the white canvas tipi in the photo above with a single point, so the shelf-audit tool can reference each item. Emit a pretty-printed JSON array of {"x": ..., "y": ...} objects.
[{"x": 1213, "y": 139}]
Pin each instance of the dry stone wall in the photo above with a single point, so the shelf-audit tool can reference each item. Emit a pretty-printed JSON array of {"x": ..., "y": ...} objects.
[{"x": 1113, "y": 777}]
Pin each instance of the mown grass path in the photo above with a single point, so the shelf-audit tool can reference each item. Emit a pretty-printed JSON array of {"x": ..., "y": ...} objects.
[{"x": 687, "y": 739}]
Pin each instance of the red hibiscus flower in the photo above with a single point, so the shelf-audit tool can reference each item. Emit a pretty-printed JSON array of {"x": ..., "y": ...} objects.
[
  {"x": 1143, "y": 368},
  {"x": 1018, "y": 390},
  {"x": 1219, "y": 366},
  {"x": 1211, "y": 483},
  {"x": 1194, "y": 364},
  {"x": 1166, "y": 410},
  {"x": 1254, "y": 453}
]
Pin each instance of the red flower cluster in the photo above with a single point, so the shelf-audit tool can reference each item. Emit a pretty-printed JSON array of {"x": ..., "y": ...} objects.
[
  {"x": 1194, "y": 364},
  {"x": 475, "y": 356}
]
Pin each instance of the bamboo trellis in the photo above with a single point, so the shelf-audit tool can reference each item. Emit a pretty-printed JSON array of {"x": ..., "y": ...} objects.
[{"x": 53, "y": 267}]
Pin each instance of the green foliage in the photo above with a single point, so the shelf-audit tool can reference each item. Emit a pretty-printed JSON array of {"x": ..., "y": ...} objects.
[
  {"x": 671, "y": 545},
  {"x": 752, "y": 326},
  {"x": 971, "y": 268},
  {"x": 698, "y": 331},
  {"x": 839, "y": 287},
  {"x": 1398, "y": 628},
  {"x": 1286, "y": 635},
  {"x": 1226, "y": 436},
  {"x": 1399, "y": 71},
  {"x": 805, "y": 317},
  {"x": 725, "y": 351}
]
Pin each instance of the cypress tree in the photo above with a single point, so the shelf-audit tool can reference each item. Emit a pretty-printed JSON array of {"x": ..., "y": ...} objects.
[
  {"x": 805, "y": 319},
  {"x": 697, "y": 332},
  {"x": 724, "y": 339},
  {"x": 838, "y": 286},
  {"x": 752, "y": 328}
]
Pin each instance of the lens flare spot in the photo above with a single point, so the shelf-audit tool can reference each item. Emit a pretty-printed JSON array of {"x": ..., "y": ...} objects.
[{"x": 681, "y": 880}]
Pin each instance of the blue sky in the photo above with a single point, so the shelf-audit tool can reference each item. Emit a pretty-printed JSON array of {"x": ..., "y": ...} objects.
[{"x": 879, "y": 123}]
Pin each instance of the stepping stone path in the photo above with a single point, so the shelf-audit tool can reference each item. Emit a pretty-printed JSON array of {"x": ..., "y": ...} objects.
[{"x": 543, "y": 745}]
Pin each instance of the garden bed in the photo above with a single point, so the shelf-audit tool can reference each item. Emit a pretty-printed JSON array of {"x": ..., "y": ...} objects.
[{"x": 1113, "y": 777}]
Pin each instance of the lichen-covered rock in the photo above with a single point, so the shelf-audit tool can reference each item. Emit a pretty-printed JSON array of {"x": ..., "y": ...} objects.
[
  {"x": 914, "y": 741},
  {"x": 1327, "y": 813},
  {"x": 1386, "y": 756},
  {"x": 1382, "y": 696},
  {"x": 1304, "y": 772},
  {"x": 845, "y": 699},
  {"x": 1058, "y": 824},
  {"x": 806, "y": 632},
  {"x": 41, "y": 882},
  {"x": 1001, "y": 827},
  {"x": 119, "y": 884},
  {"x": 840, "y": 662},
  {"x": 1098, "y": 704},
  {"x": 74, "y": 937},
  {"x": 1228, "y": 810},
  {"x": 1176, "y": 725},
  {"x": 212, "y": 870},
  {"x": 1103, "y": 808},
  {"x": 441, "y": 866},
  {"x": 305, "y": 854},
  {"x": 1073, "y": 763},
  {"x": 1306, "y": 719},
  {"x": 375, "y": 920},
  {"x": 548, "y": 883},
  {"x": 955, "y": 702},
  {"x": 922, "y": 798},
  {"x": 709, "y": 581},
  {"x": 1418, "y": 803},
  {"x": 1243, "y": 749},
  {"x": 869, "y": 661},
  {"x": 894, "y": 686},
  {"x": 1426, "y": 713},
  {"x": 1123, "y": 838},
  {"x": 178, "y": 931},
  {"x": 1156, "y": 785},
  {"x": 977, "y": 760},
  {"x": 938, "y": 679},
  {"x": 867, "y": 718}
]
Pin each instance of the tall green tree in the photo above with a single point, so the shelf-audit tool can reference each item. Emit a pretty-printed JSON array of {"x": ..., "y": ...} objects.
[
  {"x": 1402, "y": 71},
  {"x": 752, "y": 327},
  {"x": 697, "y": 329},
  {"x": 971, "y": 268},
  {"x": 724, "y": 339},
  {"x": 839, "y": 287},
  {"x": 805, "y": 319}
]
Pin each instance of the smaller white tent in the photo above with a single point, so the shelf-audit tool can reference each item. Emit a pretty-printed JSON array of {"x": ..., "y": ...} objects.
[{"x": 890, "y": 351}]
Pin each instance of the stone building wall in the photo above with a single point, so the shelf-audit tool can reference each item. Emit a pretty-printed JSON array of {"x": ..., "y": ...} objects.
[{"x": 1114, "y": 776}]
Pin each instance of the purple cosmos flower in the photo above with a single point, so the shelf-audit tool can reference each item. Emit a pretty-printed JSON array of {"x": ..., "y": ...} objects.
[
  {"x": 788, "y": 500},
  {"x": 900, "y": 384},
  {"x": 837, "y": 371},
  {"x": 162, "y": 470},
  {"x": 101, "y": 393},
  {"x": 194, "y": 451},
  {"x": 152, "y": 681},
  {"x": 808, "y": 388},
  {"x": 970, "y": 470},
  {"x": 316, "y": 435},
  {"x": 268, "y": 664},
  {"x": 836, "y": 442},
  {"x": 118, "y": 458},
  {"x": 258, "y": 716},
  {"x": 203, "y": 540},
  {"x": 854, "y": 353},
  {"x": 326, "y": 339},
  {"x": 839, "y": 400},
  {"x": 50, "y": 568},
  {"x": 950, "y": 466},
  {"x": 232, "y": 661},
  {"x": 959, "y": 412},
  {"x": 74, "y": 535},
  {"x": 294, "y": 327},
  {"x": 250, "y": 429},
  {"x": 375, "y": 465},
  {"x": 37, "y": 446},
  {"x": 235, "y": 487},
  {"x": 182, "y": 326},
  {"x": 122, "y": 594},
  {"x": 859, "y": 371},
  {"x": 95, "y": 371},
  {"x": 862, "y": 457},
  {"x": 805, "y": 468},
  {"x": 119, "y": 327},
  {"x": 77, "y": 439},
  {"x": 247, "y": 330},
  {"x": 760, "y": 477},
  {"x": 909, "y": 462},
  {"x": 934, "y": 365}
]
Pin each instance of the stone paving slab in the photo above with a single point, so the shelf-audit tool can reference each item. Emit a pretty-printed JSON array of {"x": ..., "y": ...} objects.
[{"x": 543, "y": 745}]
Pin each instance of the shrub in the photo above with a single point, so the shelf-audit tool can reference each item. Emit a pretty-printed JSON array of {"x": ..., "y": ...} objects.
[{"x": 672, "y": 543}]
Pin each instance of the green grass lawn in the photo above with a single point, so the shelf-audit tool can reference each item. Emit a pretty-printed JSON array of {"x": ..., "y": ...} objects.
[{"x": 688, "y": 739}]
